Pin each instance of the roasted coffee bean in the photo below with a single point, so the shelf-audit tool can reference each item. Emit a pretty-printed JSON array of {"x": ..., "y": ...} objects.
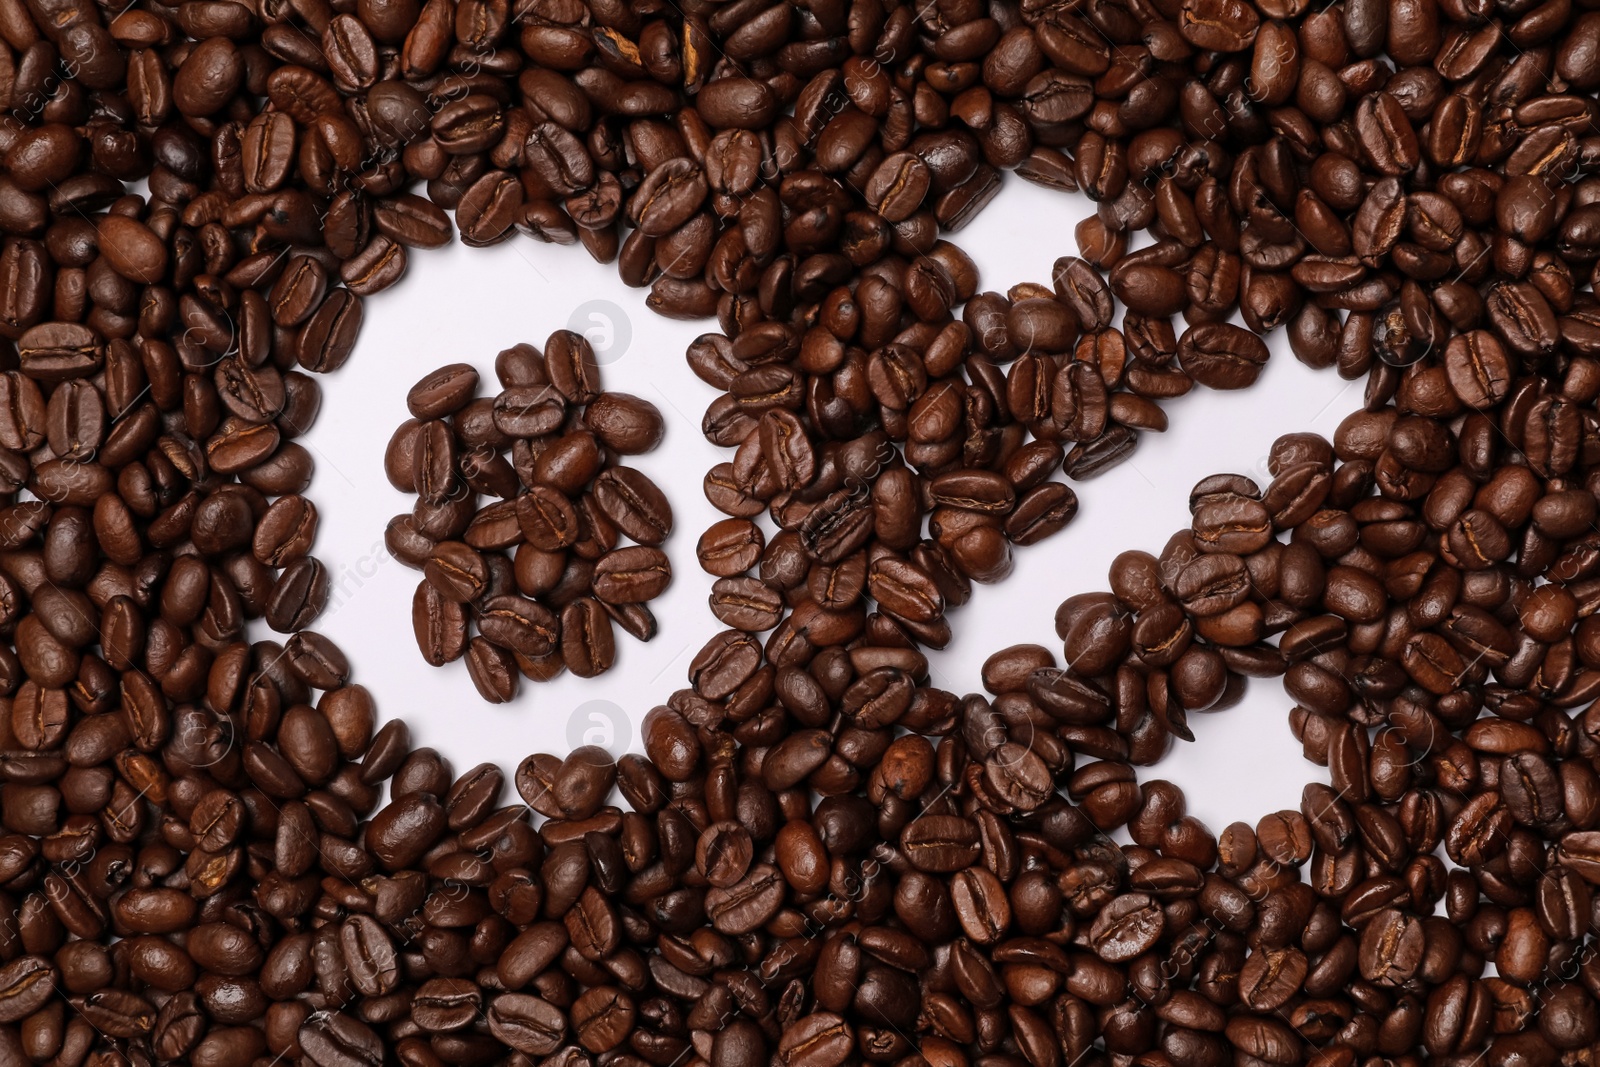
[
  {"x": 629, "y": 499},
  {"x": 626, "y": 424},
  {"x": 440, "y": 624},
  {"x": 631, "y": 575},
  {"x": 27, "y": 983},
  {"x": 587, "y": 645},
  {"x": 457, "y": 571},
  {"x": 730, "y": 547},
  {"x": 526, "y": 1023},
  {"x": 1221, "y": 356},
  {"x": 518, "y": 625},
  {"x": 334, "y": 1039},
  {"x": 443, "y": 392},
  {"x": 746, "y": 604},
  {"x": 529, "y": 410}
]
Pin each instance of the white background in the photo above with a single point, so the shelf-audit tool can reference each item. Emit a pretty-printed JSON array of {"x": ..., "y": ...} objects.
[{"x": 463, "y": 304}]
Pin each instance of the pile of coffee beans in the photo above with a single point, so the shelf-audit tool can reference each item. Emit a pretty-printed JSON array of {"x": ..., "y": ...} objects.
[
  {"x": 835, "y": 862},
  {"x": 1442, "y": 648},
  {"x": 824, "y": 860},
  {"x": 562, "y": 503}
]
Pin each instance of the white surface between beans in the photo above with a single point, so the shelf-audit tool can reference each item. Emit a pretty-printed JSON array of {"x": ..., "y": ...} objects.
[{"x": 462, "y": 304}]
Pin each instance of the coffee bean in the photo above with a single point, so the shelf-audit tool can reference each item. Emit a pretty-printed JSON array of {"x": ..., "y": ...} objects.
[
  {"x": 821, "y": 1039},
  {"x": 285, "y": 532},
  {"x": 444, "y": 1004},
  {"x": 440, "y": 624},
  {"x": 519, "y": 625},
  {"x": 748, "y": 902},
  {"x": 526, "y": 1023},
  {"x": 940, "y": 843},
  {"x": 587, "y": 645},
  {"x": 1042, "y": 511},
  {"x": 412, "y": 221},
  {"x": 631, "y": 575},
  {"x": 334, "y": 1039},
  {"x": 442, "y": 392},
  {"x": 730, "y": 547},
  {"x": 746, "y": 604},
  {"x": 456, "y": 571},
  {"x": 625, "y": 424},
  {"x": 26, "y": 984},
  {"x": 1221, "y": 356},
  {"x": 602, "y": 1018},
  {"x": 629, "y": 499}
]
